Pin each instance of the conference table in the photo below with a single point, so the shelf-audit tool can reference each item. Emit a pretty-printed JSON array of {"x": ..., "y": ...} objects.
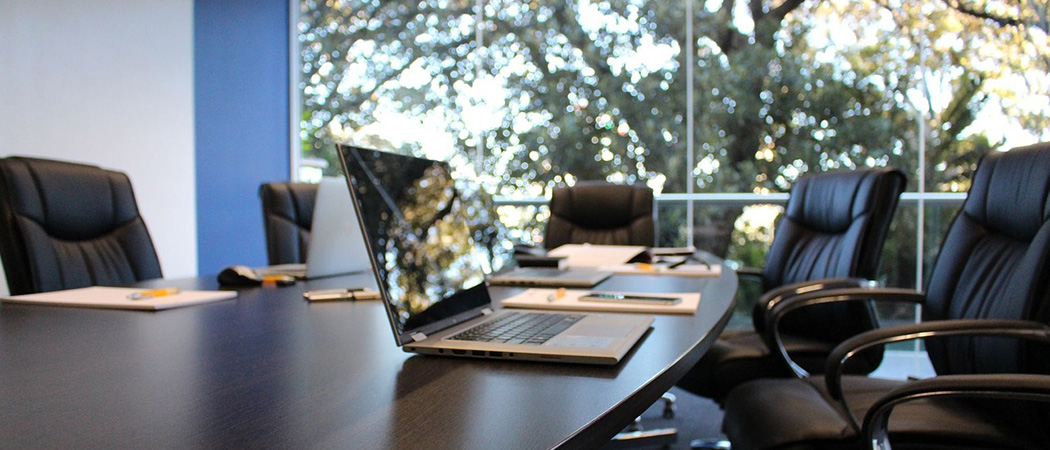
[{"x": 271, "y": 370}]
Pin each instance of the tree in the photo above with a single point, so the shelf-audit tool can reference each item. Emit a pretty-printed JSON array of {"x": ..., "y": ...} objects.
[{"x": 555, "y": 91}]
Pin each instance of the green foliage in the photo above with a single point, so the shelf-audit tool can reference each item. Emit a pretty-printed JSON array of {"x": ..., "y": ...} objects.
[{"x": 558, "y": 91}]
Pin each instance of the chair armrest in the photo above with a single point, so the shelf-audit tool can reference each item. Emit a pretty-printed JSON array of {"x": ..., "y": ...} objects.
[
  {"x": 1020, "y": 329},
  {"x": 775, "y": 341},
  {"x": 990, "y": 386},
  {"x": 773, "y": 297}
]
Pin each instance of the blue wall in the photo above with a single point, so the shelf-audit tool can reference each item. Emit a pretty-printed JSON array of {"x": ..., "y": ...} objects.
[{"x": 241, "y": 118}]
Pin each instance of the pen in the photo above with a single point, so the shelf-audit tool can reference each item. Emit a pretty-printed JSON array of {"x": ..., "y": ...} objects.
[
  {"x": 341, "y": 294},
  {"x": 556, "y": 295},
  {"x": 630, "y": 298},
  {"x": 142, "y": 295},
  {"x": 645, "y": 266},
  {"x": 277, "y": 280}
]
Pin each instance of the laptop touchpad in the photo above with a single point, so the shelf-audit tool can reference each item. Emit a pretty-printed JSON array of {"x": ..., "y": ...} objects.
[
  {"x": 564, "y": 340},
  {"x": 613, "y": 330},
  {"x": 586, "y": 334}
]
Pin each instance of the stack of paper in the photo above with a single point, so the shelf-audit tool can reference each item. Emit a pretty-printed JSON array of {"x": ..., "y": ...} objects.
[
  {"x": 587, "y": 255},
  {"x": 120, "y": 298}
]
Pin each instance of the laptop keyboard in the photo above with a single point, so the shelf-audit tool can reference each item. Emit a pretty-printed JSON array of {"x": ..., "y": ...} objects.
[{"x": 520, "y": 328}]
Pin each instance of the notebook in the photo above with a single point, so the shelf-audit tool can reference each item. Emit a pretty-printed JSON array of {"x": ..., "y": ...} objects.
[
  {"x": 431, "y": 248},
  {"x": 588, "y": 255},
  {"x": 336, "y": 245}
]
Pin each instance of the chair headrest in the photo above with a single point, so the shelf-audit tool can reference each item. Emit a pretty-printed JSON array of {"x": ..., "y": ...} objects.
[
  {"x": 46, "y": 192},
  {"x": 292, "y": 201},
  {"x": 831, "y": 202},
  {"x": 600, "y": 205},
  {"x": 1010, "y": 195}
]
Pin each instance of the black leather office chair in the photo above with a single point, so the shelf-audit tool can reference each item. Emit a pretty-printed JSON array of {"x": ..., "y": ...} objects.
[
  {"x": 288, "y": 212},
  {"x": 991, "y": 278},
  {"x": 833, "y": 226},
  {"x": 597, "y": 212},
  {"x": 65, "y": 225}
]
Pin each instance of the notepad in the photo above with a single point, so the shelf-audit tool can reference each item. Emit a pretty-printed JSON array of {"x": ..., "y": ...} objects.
[
  {"x": 117, "y": 298},
  {"x": 569, "y": 300}
]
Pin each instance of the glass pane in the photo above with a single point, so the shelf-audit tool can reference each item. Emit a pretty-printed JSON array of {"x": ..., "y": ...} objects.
[
  {"x": 780, "y": 98},
  {"x": 751, "y": 237},
  {"x": 897, "y": 269},
  {"x": 389, "y": 75},
  {"x": 580, "y": 91},
  {"x": 897, "y": 265},
  {"x": 980, "y": 70},
  {"x": 525, "y": 224}
]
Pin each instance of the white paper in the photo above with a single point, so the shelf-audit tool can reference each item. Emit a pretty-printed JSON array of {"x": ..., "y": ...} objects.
[
  {"x": 117, "y": 298},
  {"x": 587, "y": 255},
  {"x": 537, "y": 298}
]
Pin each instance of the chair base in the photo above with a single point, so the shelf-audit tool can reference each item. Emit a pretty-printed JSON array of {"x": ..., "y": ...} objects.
[
  {"x": 669, "y": 400},
  {"x": 635, "y": 436},
  {"x": 642, "y": 438},
  {"x": 710, "y": 444}
]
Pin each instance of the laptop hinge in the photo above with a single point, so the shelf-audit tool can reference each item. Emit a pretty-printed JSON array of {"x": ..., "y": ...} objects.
[
  {"x": 416, "y": 337},
  {"x": 486, "y": 311}
]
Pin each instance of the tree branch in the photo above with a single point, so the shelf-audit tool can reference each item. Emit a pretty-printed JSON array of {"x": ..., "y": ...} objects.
[
  {"x": 785, "y": 8},
  {"x": 727, "y": 34},
  {"x": 1003, "y": 21},
  {"x": 757, "y": 9}
]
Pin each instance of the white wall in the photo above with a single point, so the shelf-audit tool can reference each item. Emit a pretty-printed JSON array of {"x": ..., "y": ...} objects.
[{"x": 110, "y": 83}]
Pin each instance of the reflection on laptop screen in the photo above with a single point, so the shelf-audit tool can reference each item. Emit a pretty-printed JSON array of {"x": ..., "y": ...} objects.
[{"x": 422, "y": 230}]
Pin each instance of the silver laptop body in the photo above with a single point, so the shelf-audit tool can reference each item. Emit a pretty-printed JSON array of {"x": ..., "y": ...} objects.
[
  {"x": 336, "y": 245},
  {"x": 421, "y": 232},
  {"x": 550, "y": 277}
]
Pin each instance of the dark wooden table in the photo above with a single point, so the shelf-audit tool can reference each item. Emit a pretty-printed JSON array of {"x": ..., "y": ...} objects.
[{"x": 269, "y": 370}]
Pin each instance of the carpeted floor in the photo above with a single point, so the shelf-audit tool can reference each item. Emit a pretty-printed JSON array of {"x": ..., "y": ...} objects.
[
  {"x": 701, "y": 418},
  {"x": 696, "y": 418}
]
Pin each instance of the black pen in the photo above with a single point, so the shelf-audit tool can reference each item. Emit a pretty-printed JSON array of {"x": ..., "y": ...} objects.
[{"x": 630, "y": 298}]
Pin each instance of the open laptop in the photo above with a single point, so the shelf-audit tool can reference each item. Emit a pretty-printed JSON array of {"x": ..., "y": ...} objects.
[
  {"x": 336, "y": 245},
  {"x": 421, "y": 232}
]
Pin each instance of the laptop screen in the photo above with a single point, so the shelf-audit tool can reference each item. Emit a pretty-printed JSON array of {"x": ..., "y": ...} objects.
[{"x": 423, "y": 229}]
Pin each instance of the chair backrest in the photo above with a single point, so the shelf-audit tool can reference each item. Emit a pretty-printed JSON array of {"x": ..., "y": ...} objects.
[
  {"x": 288, "y": 213},
  {"x": 597, "y": 212},
  {"x": 65, "y": 225},
  {"x": 994, "y": 263},
  {"x": 834, "y": 225}
]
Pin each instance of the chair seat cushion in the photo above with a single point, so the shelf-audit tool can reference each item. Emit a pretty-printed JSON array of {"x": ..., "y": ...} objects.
[
  {"x": 793, "y": 413},
  {"x": 739, "y": 356}
]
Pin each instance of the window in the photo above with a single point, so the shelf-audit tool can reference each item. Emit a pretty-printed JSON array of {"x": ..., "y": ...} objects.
[{"x": 694, "y": 99}]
